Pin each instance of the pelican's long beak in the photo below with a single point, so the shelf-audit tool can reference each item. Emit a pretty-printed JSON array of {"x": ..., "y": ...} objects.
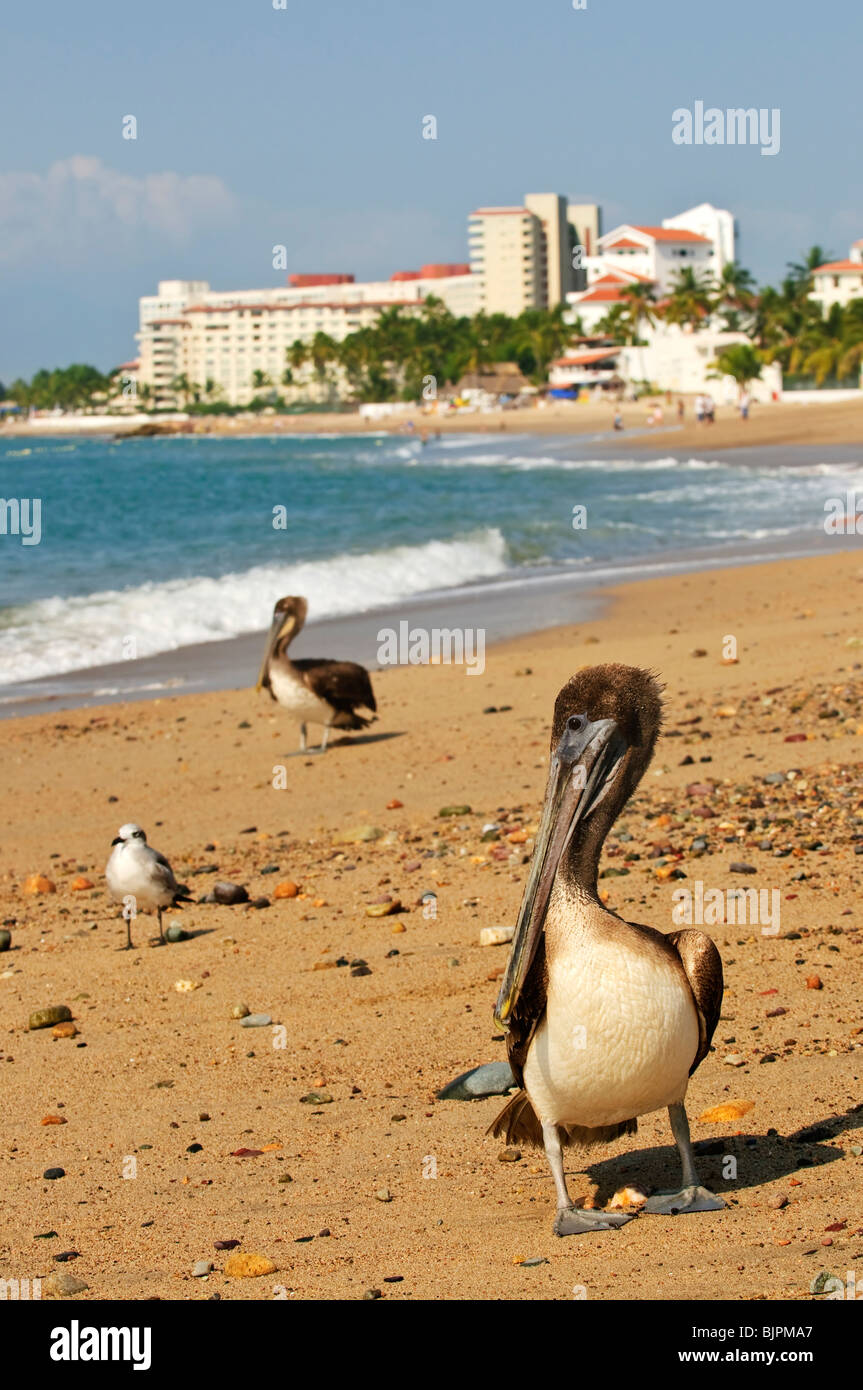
[
  {"x": 279, "y": 623},
  {"x": 583, "y": 766}
]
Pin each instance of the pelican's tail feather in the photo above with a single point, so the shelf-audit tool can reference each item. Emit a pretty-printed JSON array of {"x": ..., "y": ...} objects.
[{"x": 518, "y": 1123}]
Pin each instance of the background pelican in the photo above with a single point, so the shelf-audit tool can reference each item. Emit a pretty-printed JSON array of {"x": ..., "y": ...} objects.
[
  {"x": 314, "y": 690},
  {"x": 135, "y": 870},
  {"x": 606, "y": 1020}
]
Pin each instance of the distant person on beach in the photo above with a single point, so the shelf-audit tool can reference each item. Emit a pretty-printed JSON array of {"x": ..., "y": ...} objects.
[
  {"x": 699, "y": 409},
  {"x": 618, "y": 420},
  {"x": 709, "y": 410},
  {"x": 745, "y": 402},
  {"x": 681, "y": 411}
]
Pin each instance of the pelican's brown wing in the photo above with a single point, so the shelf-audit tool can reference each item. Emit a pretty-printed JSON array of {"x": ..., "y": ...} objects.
[
  {"x": 702, "y": 966},
  {"x": 343, "y": 684},
  {"x": 528, "y": 1012}
]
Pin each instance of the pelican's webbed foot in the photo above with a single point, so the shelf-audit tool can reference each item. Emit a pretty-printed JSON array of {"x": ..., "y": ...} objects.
[
  {"x": 574, "y": 1221},
  {"x": 687, "y": 1199}
]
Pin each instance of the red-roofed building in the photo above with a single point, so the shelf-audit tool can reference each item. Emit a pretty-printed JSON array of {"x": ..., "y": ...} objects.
[{"x": 838, "y": 282}]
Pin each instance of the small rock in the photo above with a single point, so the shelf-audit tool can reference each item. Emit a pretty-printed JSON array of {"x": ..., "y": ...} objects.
[
  {"x": 64, "y": 1030},
  {"x": 80, "y": 885},
  {"x": 243, "y": 1266},
  {"x": 5, "y": 940},
  {"x": 778, "y": 1201},
  {"x": 201, "y": 1268},
  {"x": 59, "y": 1284},
  {"x": 227, "y": 893},
  {"x": 383, "y": 909},
  {"x": 495, "y": 936},
  {"x": 288, "y": 889},
  {"x": 316, "y": 1098},
  {"x": 53, "y": 1173},
  {"x": 740, "y": 868},
  {"x": 174, "y": 934},
  {"x": 734, "y": 1059},
  {"x": 45, "y": 1018},
  {"x": 814, "y": 982},
  {"x": 459, "y": 810},
  {"x": 359, "y": 834},
  {"x": 509, "y": 1156},
  {"x": 493, "y": 1079},
  {"x": 38, "y": 883},
  {"x": 383, "y": 1194},
  {"x": 256, "y": 1021},
  {"x": 240, "y": 1011}
]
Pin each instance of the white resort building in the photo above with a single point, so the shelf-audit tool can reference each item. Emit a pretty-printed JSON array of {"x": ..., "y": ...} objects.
[
  {"x": 227, "y": 337},
  {"x": 838, "y": 282}
]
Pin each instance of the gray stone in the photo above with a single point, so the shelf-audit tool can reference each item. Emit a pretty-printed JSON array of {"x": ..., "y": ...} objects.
[
  {"x": 492, "y": 1079},
  {"x": 201, "y": 1268},
  {"x": 256, "y": 1021}
]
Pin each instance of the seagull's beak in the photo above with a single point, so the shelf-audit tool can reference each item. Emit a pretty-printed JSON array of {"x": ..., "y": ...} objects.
[
  {"x": 583, "y": 766},
  {"x": 117, "y": 840},
  {"x": 278, "y": 625}
]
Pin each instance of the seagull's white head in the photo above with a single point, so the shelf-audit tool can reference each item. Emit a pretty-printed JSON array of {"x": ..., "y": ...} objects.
[{"x": 129, "y": 833}]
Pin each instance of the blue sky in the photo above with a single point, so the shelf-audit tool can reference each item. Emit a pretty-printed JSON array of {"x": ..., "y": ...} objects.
[{"x": 302, "y": 127}]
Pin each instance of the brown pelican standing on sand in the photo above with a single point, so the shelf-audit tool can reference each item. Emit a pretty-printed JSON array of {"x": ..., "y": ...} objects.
[
  {"x": 606, "y": 1020},
  {"x": 314, "y": 690}
]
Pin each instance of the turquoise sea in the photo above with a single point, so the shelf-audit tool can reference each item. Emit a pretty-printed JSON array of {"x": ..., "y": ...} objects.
[{"x": 172, "y": 542}]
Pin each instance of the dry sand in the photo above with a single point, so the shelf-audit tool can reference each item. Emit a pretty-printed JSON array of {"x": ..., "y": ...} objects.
[{"x": 197, "y": 771}]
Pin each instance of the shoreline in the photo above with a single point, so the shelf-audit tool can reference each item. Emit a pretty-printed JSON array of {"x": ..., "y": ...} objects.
[
  {"x": 512, "y": 606},
  {"x": 784, "y": 422}
]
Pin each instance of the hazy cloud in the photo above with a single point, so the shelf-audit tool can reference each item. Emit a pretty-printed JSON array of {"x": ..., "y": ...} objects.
[{"x": 80, "y": 206}]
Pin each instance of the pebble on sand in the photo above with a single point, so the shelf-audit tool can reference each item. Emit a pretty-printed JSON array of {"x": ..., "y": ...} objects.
[
  {"x": 201, "y": 1268},
  {"x": 38, "y": 883},
  {"x": 186, "y": 986},
  {"x": 256, "y": 1021},
  {"x": 243, "y": 1266},
  {"x": 495, "y": 936},
  {"x": 384, "y": 909},
  {"x": 228, "y": 894},
  {"x": 288, "y": 889},
  {"x": 53, "y": 1173},
  {"x": 64, "y": 1030},
  {"x": 240, "y": 1011},
  {"x": 46, "y": 1018},
  {"x": 80, "y": 884},
  {"x": 59, "y": 1284},
  {"x": 5, "y": 940},
  {"x": 729, "y": 1110}
]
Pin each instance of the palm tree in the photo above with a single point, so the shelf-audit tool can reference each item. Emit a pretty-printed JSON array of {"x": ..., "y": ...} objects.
[
  {"x": 260, "y": 379},
  {"x": 297, "y": 354},
  {"x": 640, "y": 305},
  {"x": 616, "y": 324},
  {"x": 735, "y": 295},
  {"x": 690, "y": 300},
  {"x": 741, "y": 361},
  {"x": 182, "y": 388}
]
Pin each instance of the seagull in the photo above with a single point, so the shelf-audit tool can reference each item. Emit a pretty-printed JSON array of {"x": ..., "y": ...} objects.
[
  {"x": 315, "y": 689},
  {"x": 606, "y": 1020},
  {"x": 141, "y": 877}
]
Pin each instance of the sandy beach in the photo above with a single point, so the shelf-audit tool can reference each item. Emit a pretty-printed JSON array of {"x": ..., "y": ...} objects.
[
  {"x": 786, "y": 422},
  {"x": 375, "y": 1184}
]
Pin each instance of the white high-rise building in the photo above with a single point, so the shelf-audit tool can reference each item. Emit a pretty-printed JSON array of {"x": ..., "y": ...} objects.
[{"x": 238, "y": 340}]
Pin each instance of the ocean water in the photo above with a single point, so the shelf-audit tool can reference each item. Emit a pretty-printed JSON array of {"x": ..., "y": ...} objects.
[{"x": 171, "y": 542}]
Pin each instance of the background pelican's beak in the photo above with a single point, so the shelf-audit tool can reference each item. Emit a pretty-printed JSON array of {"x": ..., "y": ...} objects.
[
  {"x": 582, "y": 766},
  {"x": 279, "y": 622}
]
